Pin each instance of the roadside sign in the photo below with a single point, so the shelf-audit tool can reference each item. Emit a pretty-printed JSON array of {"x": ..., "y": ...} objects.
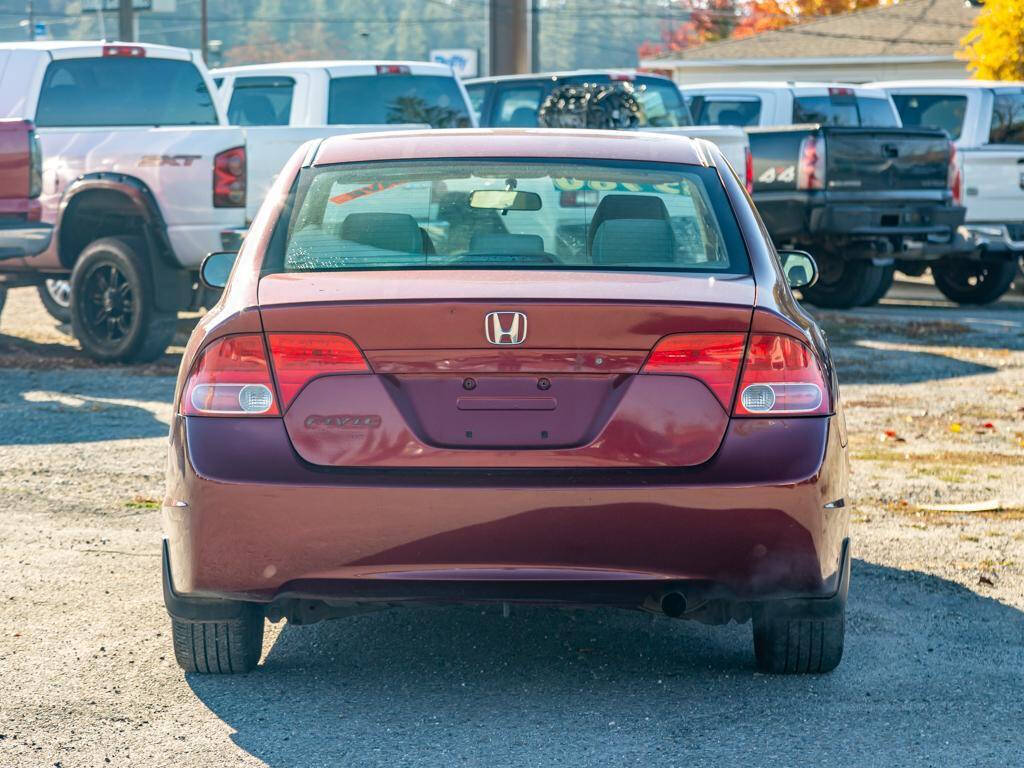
[{"x": 464, "y": 61}]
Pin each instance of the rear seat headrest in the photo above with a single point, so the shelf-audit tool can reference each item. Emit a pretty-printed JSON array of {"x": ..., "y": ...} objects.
[{"x": 387, "y": 231}]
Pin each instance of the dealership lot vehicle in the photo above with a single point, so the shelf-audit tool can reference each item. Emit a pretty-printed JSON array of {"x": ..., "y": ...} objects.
[
  {"x": 139, "y": 179},
  {"x": 323, "y": 98},
  {"x": 435, "y": 407},
  {"x": 986, "y": 122},
  {"x": 514, "y": 101},
  {"x": 835, "y": 173},
  {"x": 22, "y": 233}
]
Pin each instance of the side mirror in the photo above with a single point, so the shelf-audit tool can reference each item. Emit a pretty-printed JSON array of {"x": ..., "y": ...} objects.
[
  {"x": 799, "y": 268},
  {"x": 216, "y": 268}
]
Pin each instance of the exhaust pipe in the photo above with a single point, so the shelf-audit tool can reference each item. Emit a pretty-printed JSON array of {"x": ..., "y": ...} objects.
[{"x": 673, "y": 604}]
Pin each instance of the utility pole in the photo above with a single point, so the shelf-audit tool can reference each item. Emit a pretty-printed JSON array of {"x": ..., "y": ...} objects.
[
  {"x": 31, "y": 20},
  {"x": 204, "y": 41},
  {"x": 125, "y": 23},
  {"x": 508, "y": 41}
]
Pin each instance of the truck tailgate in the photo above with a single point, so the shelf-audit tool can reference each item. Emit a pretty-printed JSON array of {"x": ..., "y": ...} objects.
[
  {"x": 886, "y": 158},
  {"x": 994, "y": 183}
]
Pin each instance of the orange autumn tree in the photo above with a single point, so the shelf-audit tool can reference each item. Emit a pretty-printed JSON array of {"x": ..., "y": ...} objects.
[
  {"x": 994, "y": 48},
  {"x": 712, "y": 20}
]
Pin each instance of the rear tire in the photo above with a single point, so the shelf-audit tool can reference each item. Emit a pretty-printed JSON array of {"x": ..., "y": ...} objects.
[
  {"x": 888, "y": 275},
  {"x": 113, "y": 311},
  {"x": 973, "y": 282},
  {"x": 56, "y": 298},
  {"x": 219, "y": 647},
  {"x": 788, "y": 645},
  {"x": 843, "y": 284}
]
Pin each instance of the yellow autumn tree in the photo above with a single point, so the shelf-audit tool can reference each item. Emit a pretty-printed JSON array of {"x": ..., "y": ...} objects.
[{"x": 994, "y": 49}]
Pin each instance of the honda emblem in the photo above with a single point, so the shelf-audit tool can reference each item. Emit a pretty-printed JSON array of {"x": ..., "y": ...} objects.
[{"x": 505, "y": 327}]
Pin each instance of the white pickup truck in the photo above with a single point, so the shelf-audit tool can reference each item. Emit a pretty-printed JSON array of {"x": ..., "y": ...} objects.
[
  {"x": 986, "y": 122},
  {"x": 320, "y": 98},
  {"x": 142, "y": 177}
]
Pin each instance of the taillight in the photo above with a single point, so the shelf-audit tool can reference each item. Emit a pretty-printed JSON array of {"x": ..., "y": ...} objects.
[
  {"x": 622, "y": 77},
  {"x": 301, "y": 357},
  {"x": 713, "y": 358},
  {"x": 231, "y": 378},
  {"x": 229, "y": 178},
  {"x": 955, "y": 176},
  {"x": 810, "y": 172},
  {"x": 393, "y": 69},
  {"x": 35, "y": 166},
  {"x": 781, "y": 375},
  {"x": 748, "y": 170}
]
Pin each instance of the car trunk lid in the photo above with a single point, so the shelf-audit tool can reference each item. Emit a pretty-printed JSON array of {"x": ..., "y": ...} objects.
[{"x": 567, "y": 393}]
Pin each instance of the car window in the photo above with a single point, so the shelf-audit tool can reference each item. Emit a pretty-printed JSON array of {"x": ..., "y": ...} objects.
[
  {"x": 517, "y": 106},
  {"x": 1007, "y": 118},
  {"x": 932, "y": 110},
  {"x": 877, "y": 113},
  {"x": 477, "y": 96},
  {"x": 662, "y": 105},
  {"x": 397, "y": 98},
  {"x": 113, "y": 90},
  {"x": 844, "y": 109},
  {"x": 713, "y": 110},
  {"x": 261, "y": 101},
  {"x": 576, "y": 215}
]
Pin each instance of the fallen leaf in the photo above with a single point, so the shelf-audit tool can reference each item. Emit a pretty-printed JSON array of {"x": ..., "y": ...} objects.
[
  {"x": 991, "y": 505},
  {"x": 988, "y": 425},
  {"x": 983, "y": 579},
  {"x": 891, "y": 435},
  {"x": 954, "y": 427}
]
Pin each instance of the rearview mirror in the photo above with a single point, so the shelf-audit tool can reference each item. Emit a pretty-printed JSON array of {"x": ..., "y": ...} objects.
[
  {"x": 504, "y": 200},
  {"x": 799, "y": 268},
  {"x": 216, "y": 268}
]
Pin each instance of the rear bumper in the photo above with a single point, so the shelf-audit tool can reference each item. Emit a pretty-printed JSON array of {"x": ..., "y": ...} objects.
[
  {"x": 20, "y": 239},
  {"x": 245, "y": 518}
]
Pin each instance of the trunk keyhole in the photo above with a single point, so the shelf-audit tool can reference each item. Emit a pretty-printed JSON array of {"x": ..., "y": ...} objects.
[
  {"x": 544, "y": 384},
  {"x": 469, "y": 384}
]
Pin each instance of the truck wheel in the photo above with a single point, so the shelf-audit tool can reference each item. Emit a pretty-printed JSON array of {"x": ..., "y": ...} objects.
[
  {"x": 113, "y": 313},
  {"x": 888, "y": 275},
  {"x": 973, "y": 282},
  {"x": 844, "y": 283},
  {"x": 790, "y": 645},
  {"x": 56, "y": 298},
  {"x": 219, "y": 647}
]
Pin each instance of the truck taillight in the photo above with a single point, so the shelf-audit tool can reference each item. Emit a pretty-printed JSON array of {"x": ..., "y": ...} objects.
[
  {"x": 781, "y": 376},
  {"x": 231, "y": 378},
  {"x": 126, "y": 51},
  {"x": 810, "y": 172},
  {"x": 301, "y": 357},
  {"x": 713, "y": 358},
  {"x": 393, "y": 69},
  {"x": 35, "y": 166},
  {"x": 955, "y": 176},
  {"x": 748, "y": 170},
  {"x": 229, "y": 178}
]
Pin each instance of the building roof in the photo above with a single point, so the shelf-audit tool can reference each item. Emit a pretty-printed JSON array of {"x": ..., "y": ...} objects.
[{"x": 912, "y": 28}]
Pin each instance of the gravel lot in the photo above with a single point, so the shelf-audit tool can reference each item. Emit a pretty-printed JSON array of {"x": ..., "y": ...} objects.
[{"x": 935, "y": 648}]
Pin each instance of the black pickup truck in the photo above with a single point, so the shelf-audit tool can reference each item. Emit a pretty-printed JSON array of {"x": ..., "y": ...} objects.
[
  {"x": 859, "y": 199},
  {"x": 835, "y": 174}
]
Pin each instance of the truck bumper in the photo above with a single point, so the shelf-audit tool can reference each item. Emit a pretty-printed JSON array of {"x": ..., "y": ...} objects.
[{"x": 21, "y": 238}]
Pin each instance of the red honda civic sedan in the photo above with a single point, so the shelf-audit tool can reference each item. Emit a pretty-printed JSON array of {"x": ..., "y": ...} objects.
[{"x": 516, "y": 366}]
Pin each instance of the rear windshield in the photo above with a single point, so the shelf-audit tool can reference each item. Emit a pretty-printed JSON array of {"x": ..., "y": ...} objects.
[
  {"x": 845, "y": 110},
  {"x": 715, "y": 110},
  {"x": 434, "y": 214},
  {"x": 397, "y": 98},
  {"x": 261, "y": 101},
  {"x": 932, "y": 110},
  {"x": 662, "y": 103},
  {"x": 121, "y": 91}
]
